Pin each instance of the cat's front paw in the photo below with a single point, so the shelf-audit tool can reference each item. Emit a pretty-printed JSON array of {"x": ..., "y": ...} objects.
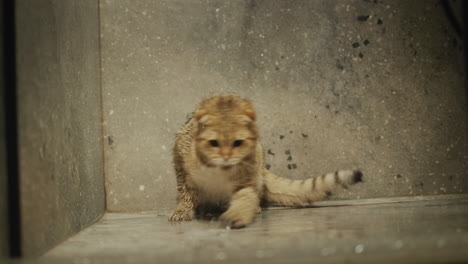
[
  {"x": 181, "y": 215},
  {"x": 236, "y": 218}
]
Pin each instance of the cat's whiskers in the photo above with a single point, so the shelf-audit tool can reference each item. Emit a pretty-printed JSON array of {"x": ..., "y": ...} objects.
[
  {"x": 247, "y": 164},
  {"x": 223, "y": 162}
]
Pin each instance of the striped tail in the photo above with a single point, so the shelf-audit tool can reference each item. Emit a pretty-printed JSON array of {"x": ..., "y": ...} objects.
[{"x": 300, "y": 192}]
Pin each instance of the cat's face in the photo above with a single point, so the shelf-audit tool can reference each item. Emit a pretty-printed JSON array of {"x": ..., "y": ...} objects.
[
  {"x": 227, "y": 134},
  {"x": 226, "y": 143}
]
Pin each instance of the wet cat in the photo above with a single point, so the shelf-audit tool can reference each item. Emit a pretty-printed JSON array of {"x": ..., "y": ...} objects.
[{"x": 218, "y": 162}]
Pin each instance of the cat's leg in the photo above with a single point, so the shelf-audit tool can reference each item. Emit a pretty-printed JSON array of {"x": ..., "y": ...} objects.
[
  {"x": 186, "y": 206},
  {"x": 242, "y": 209},
  {"x": 187, "y": 203}
]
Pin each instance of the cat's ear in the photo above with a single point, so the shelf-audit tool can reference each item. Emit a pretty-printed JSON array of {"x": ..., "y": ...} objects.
[
  {"x": 248, "y": 116},
  {"x": 202, "y": 116}
]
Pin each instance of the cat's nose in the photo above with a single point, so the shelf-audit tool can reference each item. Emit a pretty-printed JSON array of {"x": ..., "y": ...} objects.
[{"x": 225, "y": 153}]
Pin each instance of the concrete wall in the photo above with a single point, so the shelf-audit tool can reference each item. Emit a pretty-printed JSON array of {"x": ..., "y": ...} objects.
[
  {"x": 338, "y": 84},
  {"x": 61, "y": 164}
]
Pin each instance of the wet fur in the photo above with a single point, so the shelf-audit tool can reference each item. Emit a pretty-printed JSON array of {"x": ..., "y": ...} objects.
[{"x": 230, "y": 176}]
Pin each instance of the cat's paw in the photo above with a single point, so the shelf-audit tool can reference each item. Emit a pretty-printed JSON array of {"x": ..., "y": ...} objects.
[
  {"x": 236, "y": 218},
  {"x": 181, "y": 215}
]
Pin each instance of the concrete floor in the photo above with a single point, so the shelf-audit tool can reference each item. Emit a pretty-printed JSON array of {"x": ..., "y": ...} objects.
[{"x": 418, "y": 229}]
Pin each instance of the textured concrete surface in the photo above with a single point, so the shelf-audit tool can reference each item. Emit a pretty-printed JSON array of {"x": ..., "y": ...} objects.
[
  {"x": 61, "y": 164},
  {"x": 428, "y": 231},
  {"x": 337, "y": 84}
]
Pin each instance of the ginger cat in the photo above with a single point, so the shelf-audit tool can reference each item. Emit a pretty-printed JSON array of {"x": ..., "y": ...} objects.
[{"x": 218, "y": 162}]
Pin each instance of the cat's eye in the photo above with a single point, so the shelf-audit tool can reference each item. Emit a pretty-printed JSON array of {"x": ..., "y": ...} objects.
[
  {"x": 214, "y": 143},
  {"x": 237, "y": 143}
]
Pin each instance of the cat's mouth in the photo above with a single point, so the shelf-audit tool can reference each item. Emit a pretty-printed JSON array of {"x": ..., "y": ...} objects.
[{"x": 225, "y": 164}]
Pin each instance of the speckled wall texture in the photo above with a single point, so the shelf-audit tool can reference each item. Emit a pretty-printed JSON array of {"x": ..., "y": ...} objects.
[
  {"x": 337, "y": 84},
  {"x": 60, "y": 139}
]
